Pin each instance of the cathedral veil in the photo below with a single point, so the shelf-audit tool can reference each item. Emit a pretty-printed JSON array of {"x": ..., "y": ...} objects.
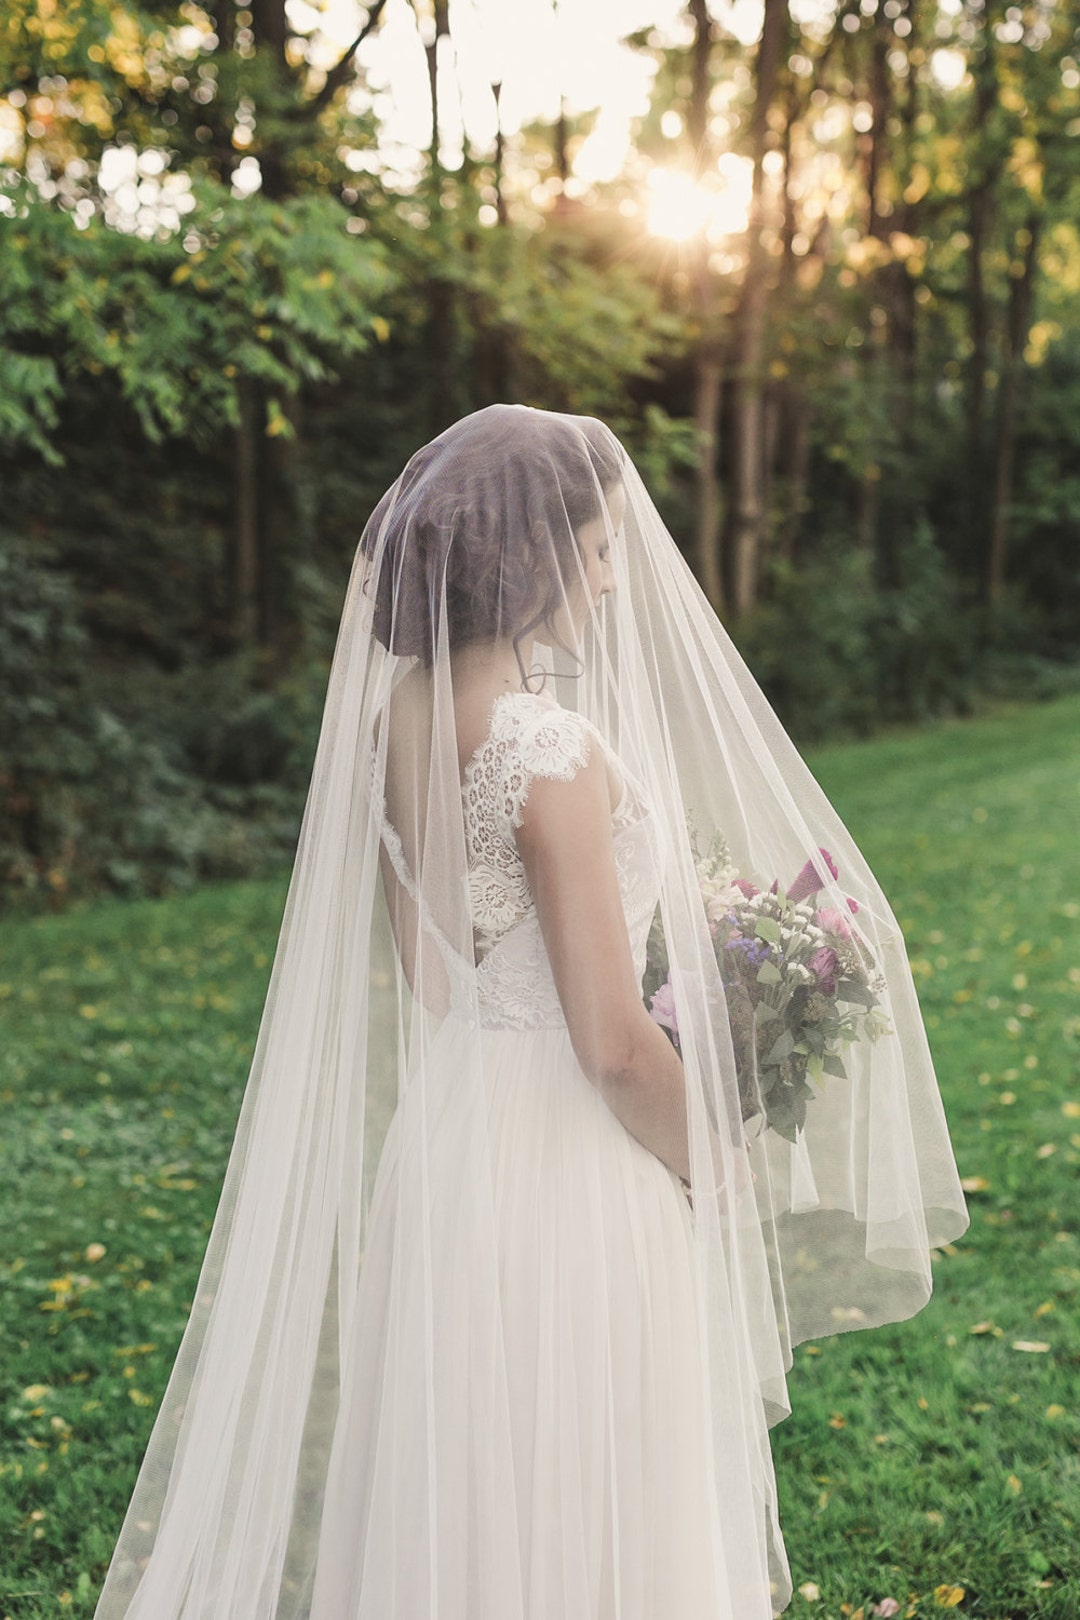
[{"x": 277, "y": 1486}]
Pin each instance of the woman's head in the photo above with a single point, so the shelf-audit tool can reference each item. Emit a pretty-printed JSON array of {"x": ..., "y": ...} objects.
[{"x": 497, "y": 529}]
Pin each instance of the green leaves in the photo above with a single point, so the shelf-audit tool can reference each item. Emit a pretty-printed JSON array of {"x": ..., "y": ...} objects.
[{"x": 276, "y": 291}]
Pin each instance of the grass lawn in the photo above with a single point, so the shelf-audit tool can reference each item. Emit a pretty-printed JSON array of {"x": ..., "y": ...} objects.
[{"x": 934, "y": 1463}]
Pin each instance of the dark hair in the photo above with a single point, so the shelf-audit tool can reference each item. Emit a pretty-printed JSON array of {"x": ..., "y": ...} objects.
[{"x": 483, "y": 513}]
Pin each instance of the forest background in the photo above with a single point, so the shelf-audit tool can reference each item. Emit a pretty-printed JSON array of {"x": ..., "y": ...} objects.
[{"x": 829, "y": 300}]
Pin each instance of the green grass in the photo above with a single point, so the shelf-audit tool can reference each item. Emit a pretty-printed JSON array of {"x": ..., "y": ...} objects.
[{"x": 924, "y": 1458}]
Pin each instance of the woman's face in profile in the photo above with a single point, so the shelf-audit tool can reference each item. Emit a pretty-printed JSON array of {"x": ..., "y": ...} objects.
[{"x": 595, "y": 540}]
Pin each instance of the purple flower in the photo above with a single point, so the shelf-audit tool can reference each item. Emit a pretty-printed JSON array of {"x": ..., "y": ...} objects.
[
  {"x": 747, "y": 888},
  {"x": 809, "y": 880},
  {"x": 823, "y": 965},
  {"x": 662, "y": 1009}
]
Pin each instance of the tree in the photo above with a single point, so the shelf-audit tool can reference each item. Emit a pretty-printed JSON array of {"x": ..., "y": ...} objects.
[{"x": 748, "y": 516}]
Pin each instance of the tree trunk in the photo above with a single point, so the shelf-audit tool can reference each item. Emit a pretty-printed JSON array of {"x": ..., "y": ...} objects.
[
  {"x": 986, "y": 161},
  {"x": 697, "y": 113},
  {"x": 1019, "y": 318},
  {"x": 500, "y": 159},
  {"x": 270, "y": 27},
  {"x": 788, "y": 435},
  {"x": 243, "y": 585},
  {"x": 440, "y": 293},
  {"x": 876, "y": 143},
  {"x": 431, "y": 49},
  {"x": 264, "y": 466},
  {"x": 979, "y": 334},
  {"x": 796, "y": 473},
  {"x": 748, "y": 509},
  {"x": 866, "y": 512},
  {"x": 707, "y": 393},
  {"x": 708, "y": 369},
  {"x": 279, "y": 630}
]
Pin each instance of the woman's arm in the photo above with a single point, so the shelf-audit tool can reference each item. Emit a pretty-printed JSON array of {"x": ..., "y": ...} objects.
[{"x": 565, "y": 843}]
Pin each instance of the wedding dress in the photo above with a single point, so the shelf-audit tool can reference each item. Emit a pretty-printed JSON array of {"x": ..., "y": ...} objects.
[
  {"x": 603, "y": 1408},
  {"x": 468, "y": 1342}
]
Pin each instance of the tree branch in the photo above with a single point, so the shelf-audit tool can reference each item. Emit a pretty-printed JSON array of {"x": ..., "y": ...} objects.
[{"x": 340, "y": 71}]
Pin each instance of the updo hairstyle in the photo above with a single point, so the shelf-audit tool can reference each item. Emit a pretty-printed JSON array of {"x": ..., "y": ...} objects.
[{"x": 489, "y": 513}]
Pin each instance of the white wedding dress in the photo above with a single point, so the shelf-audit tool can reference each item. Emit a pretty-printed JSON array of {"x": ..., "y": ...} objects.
[{"x": 587, "y": 1369}]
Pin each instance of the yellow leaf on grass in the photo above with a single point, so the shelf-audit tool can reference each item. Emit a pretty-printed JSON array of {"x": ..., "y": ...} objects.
[
  {"x": 1035, "y": 1347},
  {"x": 949, "y": 1596},
  {"x": 1055, "y": 1411},
  {"x": 1014, "y": 1484},
  {"x": 809, "y": 1591},
  {"x": 975, "y": 1184}
]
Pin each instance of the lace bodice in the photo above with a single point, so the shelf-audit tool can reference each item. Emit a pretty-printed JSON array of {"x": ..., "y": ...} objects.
[{"x": 530, "y": 735}]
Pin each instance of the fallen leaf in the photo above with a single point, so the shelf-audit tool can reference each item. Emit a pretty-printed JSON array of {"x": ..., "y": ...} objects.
[
  {"x": 949, "y": 1596},
  {"x": 809, "y": 1591},
  {"x": 1014, "y": 1484},
  {"x": 1035, "y": 1347},
  {"x": 975, "y": 1184}
]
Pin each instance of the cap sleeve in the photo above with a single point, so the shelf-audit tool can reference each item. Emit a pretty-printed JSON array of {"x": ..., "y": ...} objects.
[{"x": 541, "y": 739}]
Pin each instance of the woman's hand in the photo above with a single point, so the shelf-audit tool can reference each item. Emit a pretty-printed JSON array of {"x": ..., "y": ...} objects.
[{"x": 744, "y": 1176}]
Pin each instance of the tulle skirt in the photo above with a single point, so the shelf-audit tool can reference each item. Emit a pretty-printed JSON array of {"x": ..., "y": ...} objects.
[{"x": 523, "y": 1430}]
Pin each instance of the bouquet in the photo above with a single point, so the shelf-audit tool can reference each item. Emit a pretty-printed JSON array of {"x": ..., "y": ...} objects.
[{"x": 800, "y": 983}]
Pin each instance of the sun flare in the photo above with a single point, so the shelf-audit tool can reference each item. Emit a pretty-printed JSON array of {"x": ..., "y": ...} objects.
[{"x": 681, "y": 207}]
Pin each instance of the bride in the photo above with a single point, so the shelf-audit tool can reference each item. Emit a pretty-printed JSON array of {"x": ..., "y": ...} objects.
[{"x": 591, "y": 1080}]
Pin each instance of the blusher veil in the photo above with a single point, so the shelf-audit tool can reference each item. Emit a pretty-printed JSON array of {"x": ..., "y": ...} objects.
[{"x": 340, "y": 1436}]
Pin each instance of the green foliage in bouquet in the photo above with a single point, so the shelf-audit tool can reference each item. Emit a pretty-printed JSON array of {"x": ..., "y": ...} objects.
[{"x": 799, "y": 982}]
